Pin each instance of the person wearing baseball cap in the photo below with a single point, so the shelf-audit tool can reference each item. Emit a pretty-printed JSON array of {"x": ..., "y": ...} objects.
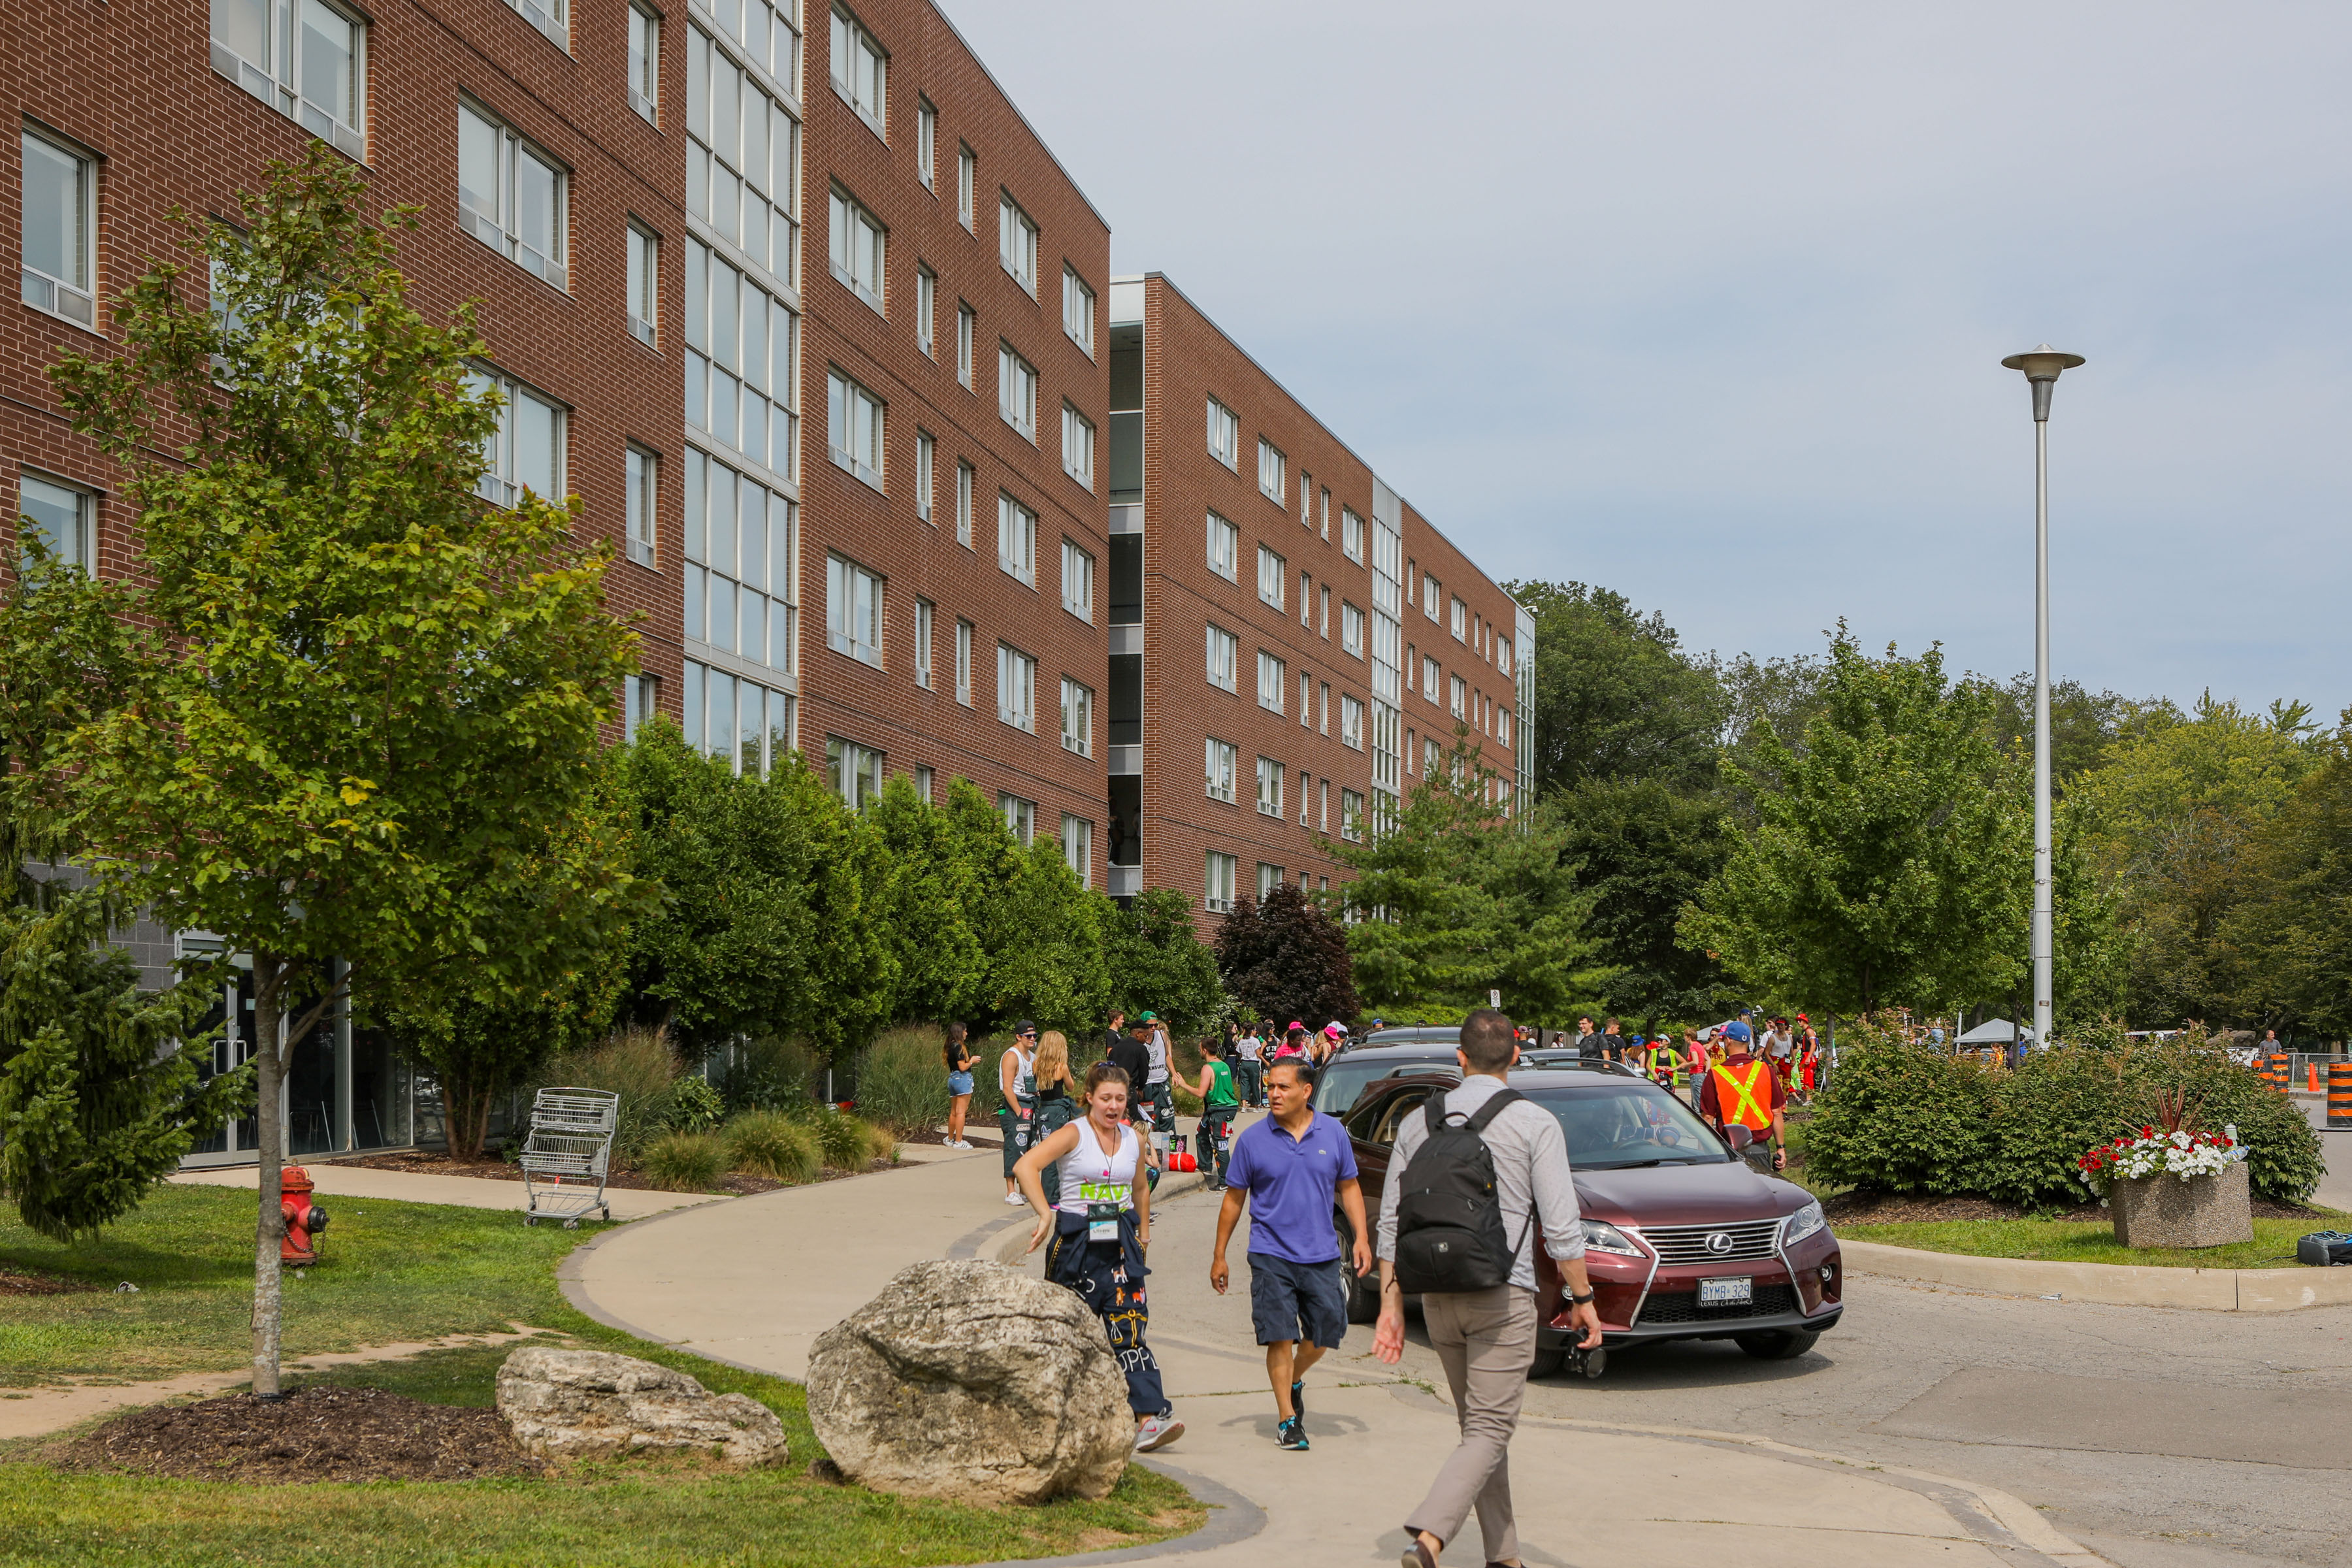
[{"x": 1742, "y": 1089}]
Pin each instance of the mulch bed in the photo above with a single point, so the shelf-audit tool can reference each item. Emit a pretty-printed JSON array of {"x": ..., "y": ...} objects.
[
  {"x": 433, "y": 1163},
  {"x": 318, "y": 1434},
  {"x": 1892, "y": 1208},
  {"x": 14, "y": 1282}
]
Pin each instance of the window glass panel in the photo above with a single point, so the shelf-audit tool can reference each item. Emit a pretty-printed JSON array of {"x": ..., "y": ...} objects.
[{"x": 59, "y": 516}]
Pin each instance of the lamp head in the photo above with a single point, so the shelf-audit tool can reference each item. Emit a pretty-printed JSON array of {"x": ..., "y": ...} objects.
[{"x": 2041, "y": 367}]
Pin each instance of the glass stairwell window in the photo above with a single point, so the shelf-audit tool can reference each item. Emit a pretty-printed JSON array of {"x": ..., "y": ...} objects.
[
  {"x": 305, "y": 59},
  {"x": 743, "y": 151},
  {"x": 739, "y": 385},
  {"x": 512, "y": 194},
  {"x": 740, "y": 567}
]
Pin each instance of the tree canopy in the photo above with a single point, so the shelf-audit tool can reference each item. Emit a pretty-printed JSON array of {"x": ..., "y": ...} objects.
[{"x": 1285, "y": 957}]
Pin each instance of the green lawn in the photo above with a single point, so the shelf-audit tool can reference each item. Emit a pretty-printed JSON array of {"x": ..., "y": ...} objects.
[
  {"x": 2074, "y": 1241},
  {"x": 407, "y": 1271}
]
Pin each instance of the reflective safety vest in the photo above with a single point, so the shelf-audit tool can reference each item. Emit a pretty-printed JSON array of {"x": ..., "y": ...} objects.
[
  {"x": 1664, "y": 1065},
  {"x": 1743, "y": 1094}
]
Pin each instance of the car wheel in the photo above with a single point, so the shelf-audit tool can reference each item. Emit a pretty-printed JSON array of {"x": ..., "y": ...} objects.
[{"x": 1776, "y": 1344}]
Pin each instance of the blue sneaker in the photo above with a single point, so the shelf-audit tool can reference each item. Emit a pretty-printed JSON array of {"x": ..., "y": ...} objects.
[{"x": 1290, "y": 1435}]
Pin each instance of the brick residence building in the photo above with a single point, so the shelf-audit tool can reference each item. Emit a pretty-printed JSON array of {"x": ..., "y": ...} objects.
[{"x": 1267, "y": 623}]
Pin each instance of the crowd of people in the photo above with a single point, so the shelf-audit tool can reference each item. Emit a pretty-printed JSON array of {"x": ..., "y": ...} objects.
[{"x": 1792, "y": 1051}]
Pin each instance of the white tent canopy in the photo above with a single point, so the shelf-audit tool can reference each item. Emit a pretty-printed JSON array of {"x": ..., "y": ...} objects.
[{"x": 1993, "y": 1032}]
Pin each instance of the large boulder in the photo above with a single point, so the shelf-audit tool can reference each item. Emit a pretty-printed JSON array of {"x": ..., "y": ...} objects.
[
  {"x": 563, "y": 1403},
  {"x": 975, "y": 1382}
]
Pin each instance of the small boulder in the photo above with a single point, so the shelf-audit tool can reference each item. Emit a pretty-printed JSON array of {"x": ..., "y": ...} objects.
[
  {"x": 563, "y": 1403},
  {"x": 972, "y": 1382}
]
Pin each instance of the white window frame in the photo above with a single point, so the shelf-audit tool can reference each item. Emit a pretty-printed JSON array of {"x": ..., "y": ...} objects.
[
  {"x": 1305, "y": 598},
  {"x": 1433, "y": 679},
  {"x": 926, "y": 472},
  {"x": 499, "y": 484},
  {"x": 644, "y": 63},
  {"x": 1270, "y": 776},
  {"x": 1273, "y": 681},
  {"x": 1303, "y": 777},
  {"x": 1079, "y": 849},
  {"x": 1020, "y": 817},
  {"x": 1273, "y": 472},
  {"x": 1351, "y": 629},
  {"x": 1225, "y": 548},
  {"x": 1077, "y": 309},
  {"x": 645, "y": 281},
  {"x": 499, "y": 224},
  {"x": 1503, "y": 656},
  {"x": 927, "y": 616},
  {"x": 1352, "y": 722},
  {"x": 855, "y": 426},
  {"x": 855, "y": 608},
  {"x": 1273, "y": 577},
  {"x": 277, "y": 81},
  {"x": 1016, "y": 689},
  {"x": 1078, "y": 580},
  {"x": 1016, "y": 390},
  {"x": 1220, "y": 760},
  {"x": 79, "y": 549},
  {"x": 926, "y": 142},
  {"x": 964, "y": 631},
  {"x": 1323, "y": 708},
  {"x": 1223, "y": 652},
  {"x": 857, "y": 247},
  {"x": 1351, "y": 815},
  {"x": 641, "y": 479},
  {"x": 967, "y": 478},
  {"x": 967, "y": 185},
  {"x": 1219, "y": 874},
  {"x": 1225, "y": 435},
  {"x": 1016, "y": 539},
  {"x": 867, "y": 88},
  {"x": 74, "y": 300},
  {"x": 853, "y": 771},
  {"x": 1457, "y": 698},
  {"x": 1305, "y": 701},
  {"x": 1016, "y": 243},
  {"x": 927, "y": 305},
  {"x": 1078, "y": 716},
  {"x": 1077, "y": 445},
  {"x": 967, "y": 334},
  {"x": 1431, "y": 595},
  {"x": 1458, "y": 621},
  {"x": 1351, "y": 534}
]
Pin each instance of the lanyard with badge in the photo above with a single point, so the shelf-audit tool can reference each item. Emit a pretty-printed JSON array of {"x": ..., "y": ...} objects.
[{"x": 1104, "y": 1198}]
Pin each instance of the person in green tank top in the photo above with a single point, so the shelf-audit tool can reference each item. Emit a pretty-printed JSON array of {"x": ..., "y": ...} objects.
[{"x": 1219, "y": 1105}]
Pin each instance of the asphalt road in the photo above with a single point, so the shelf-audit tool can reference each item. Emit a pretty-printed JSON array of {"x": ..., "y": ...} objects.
[{"x": 2163, "y": 1439}]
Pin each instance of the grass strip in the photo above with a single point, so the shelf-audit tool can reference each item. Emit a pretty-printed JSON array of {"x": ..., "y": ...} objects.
[{"x": 2076, "y": 1241}]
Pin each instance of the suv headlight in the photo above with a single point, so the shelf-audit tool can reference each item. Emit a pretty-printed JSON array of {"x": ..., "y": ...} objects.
[
  {"x": 1802, "y": 1224},
  {"x": 1601, "y": 1237}
]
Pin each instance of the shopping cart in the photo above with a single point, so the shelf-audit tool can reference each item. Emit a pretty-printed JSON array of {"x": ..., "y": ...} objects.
[{"x": 569, "y": 1148}]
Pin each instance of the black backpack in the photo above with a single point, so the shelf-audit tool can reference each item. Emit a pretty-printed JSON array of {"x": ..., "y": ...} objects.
[{"x": 1450, "y": 1233}]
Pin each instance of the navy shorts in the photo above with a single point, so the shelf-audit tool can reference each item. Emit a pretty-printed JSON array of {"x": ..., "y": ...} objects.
[{"x": 1297, "y": 1300}]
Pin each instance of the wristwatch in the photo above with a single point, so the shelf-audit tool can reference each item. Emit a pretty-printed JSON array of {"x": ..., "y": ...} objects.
[{"x": 1577, "y": 1300}]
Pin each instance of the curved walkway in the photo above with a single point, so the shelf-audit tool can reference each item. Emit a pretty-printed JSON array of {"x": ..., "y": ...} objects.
[{"x": 754, "y": 1281}]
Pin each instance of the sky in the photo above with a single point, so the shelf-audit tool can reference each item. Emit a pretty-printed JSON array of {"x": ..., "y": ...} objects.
[{"x": 1707, "y": 302}]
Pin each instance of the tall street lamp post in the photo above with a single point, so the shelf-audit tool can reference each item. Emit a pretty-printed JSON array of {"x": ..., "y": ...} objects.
[{"x": 2041, "y": 367}]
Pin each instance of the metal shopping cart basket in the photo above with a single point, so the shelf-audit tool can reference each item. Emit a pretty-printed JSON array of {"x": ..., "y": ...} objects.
[{"x": 565, "y": 1157}]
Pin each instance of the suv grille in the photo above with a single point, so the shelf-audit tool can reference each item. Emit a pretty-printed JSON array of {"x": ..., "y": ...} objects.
[
  {"x": 1687, "y": 1243},
  {"x": 1770, "y": 1301}
]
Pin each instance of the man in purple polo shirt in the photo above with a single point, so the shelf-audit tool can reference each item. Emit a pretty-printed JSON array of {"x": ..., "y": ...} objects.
[{"x": 1293, "y": 1166}]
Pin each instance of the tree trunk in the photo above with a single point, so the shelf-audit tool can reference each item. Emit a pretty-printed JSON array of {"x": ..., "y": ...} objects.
[{"x": 269, "y": 1069}]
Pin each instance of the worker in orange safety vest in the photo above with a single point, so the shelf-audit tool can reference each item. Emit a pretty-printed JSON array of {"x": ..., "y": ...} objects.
[{"x": 1743, "y": 1090}]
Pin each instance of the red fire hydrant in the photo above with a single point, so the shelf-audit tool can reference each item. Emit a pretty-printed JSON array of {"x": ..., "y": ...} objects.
[{"x": 304, "y": 1219}]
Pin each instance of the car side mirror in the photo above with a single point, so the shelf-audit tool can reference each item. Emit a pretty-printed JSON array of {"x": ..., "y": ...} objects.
[{"x": 1739, "y": 1137}]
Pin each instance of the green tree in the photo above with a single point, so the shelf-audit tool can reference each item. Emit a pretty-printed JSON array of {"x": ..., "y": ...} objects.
[
  {"x": 2293, "y": 934},
  {"x": 1616, "y": 697},
  {"x": 1452, "y": 901},
  {"x": 1048, "y": 964},
  {"x": 1647, "y": 850},
  {"x": 369, "y": 702},
  {"x": 1287, "y": 958},
  {"x": 928, "y": 919},
  {"x": 1888, "y": 861},
  {"x": 1157, "y": 961}
]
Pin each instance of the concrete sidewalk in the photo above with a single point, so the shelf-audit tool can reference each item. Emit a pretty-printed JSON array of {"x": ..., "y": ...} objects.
[
  {"x": 423, "y": 1187},
  {"x": 755, "y": 1282}
]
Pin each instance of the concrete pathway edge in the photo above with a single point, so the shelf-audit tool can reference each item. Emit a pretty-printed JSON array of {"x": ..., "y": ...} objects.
[{"x": 2110, "y": 1284}]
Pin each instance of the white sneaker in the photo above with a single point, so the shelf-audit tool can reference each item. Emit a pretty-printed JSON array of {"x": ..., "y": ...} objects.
[
  {"x": 1014, "y": 1198},
  {"x": 1157, "y": 1432}
]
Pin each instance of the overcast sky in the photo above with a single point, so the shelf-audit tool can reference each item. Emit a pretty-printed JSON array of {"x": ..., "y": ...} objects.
[{"x": 1707, "y": 302}]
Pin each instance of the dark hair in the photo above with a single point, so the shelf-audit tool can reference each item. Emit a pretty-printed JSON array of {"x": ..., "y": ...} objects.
[
  {"x": 1211, "y": 1046},
  {"x": 1486, "y": 1042},
  {"x": 1298, "y": 1066},
  {"x": 1102, "y": 1073},
  {"x": 952, "y": 1049}
]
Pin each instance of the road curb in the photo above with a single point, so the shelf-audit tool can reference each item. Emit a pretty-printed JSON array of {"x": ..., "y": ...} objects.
[{"x": 2109, "y": 1284}]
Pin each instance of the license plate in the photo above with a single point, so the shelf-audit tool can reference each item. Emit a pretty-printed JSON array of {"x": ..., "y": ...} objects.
[{"x": 1737, "y": 1292}]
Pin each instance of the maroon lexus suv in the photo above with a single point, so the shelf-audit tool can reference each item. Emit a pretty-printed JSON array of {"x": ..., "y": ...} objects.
[{"x": 1683, "y": 1238}]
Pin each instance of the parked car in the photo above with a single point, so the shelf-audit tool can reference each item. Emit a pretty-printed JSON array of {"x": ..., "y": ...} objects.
[
  {"x": 1684, "y": 1239},
  {"x": 1346, "y": 1075},
  {"x": 1448, "y": 1034}
]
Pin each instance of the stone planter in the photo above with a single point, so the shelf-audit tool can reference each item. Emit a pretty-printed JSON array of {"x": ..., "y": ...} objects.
[{"x": 2165, "y": 1211}]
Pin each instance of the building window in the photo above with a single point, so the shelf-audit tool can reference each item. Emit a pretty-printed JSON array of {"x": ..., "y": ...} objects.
[
  {"x": 1078, "y": 718},
  {"x": 1272, "y": 677},
  {"x": 852, "y": 431},
  {"x": 1016, "y": 688},
  {"x": 1351, "y": 815},
  {"x": 926, "y": 782},
  {"x": 1269, "y": 787},
  {"x": 1503, "y": 725},
  {"x": 852, "y": 772},
  {"x": 641, "y": 471},
  {"x": 1224, "y": 652},
  {"x": 1016, "y": 390},
  {"x": 926, "y": 616},
  {"x": 1327, "y": 517},
  {"x": 741, "y": 355},
  {"x": 1077, "y": 445},
  {"x": 512, "y": 194},
  {"x": 1306, "y": 500},
  {"x": 861, "y": 70},
  {"x": 1429, "y": 593},
  {"x": 645, "y": 281},
  {"x": 1272, "y": 471},
  {"x": 1305, "y": 598},
  {"x": 965, "y": 476},
  {"x": 1322, "y": 805},
  {"x": 1430, "y": 678},
  {"x": 927, "y": 142},
  {"x": 927, "y": 297},
  {"x": 1224, "y": 549},
  {"x": 858, "y": 242},
  {"x": 853, "y": 611},
  {"x": 1351, "y": 629},
  {"x": 963, "y": 662},
  {"x": 1271, "y": 572},
  {"x": 1016, "y": 539},
  {"x": 305, "y": 59},
  {"x": 1351, "y": 534},
  {"x": 1458, "y": 694},
  {"x": 967, "y": 185},
  {"x": 1217, "y": 896},
  {"x": 63, "y": 517},
  {"x": 1225, "y": 435},
  {"x": 525, "y": 453},
  {"x": 740, "y": 568},
  {"x": 1218, "y": 757},
  {"x": 644, "y": 63},
  {"x": 1020, "y": 815},
  {"x": 925, "y": 458},
  {"x": 967, "y": 326},
  {"x": 1503, "y": 655},
  {"x": 1351, "y": 724},
  {"x": 1432, "y": 758},
  {"x": 1323, "y": 708},
  {"x": 1078, "y": 310},
  {"x": 1269, "y": 878},
  {"x": 1079, "y": 849},
  {"x": 1302, "y": 798},
  {"x": 61, "y": 230},
  {"x": 1305, "y": 701},
  {"x": 640, "y": 699},
  {"x": 1324, "y": 629},
  {"x": 749, "y": 724},
  {"x": 742, "y": 164},
  {"x": 1078, "y": 581},
  {"x": 1016, "y": 243},
  {"x": 1460, "y": 626}
]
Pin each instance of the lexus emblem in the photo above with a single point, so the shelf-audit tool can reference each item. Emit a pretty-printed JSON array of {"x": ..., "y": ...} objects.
[{"x": 1720, "y": 1242}]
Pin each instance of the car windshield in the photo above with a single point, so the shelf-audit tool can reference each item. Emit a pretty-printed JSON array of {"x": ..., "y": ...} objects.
[
  {"x": 1342, "y": 1080},
  {"x": 1617, "y": 1126}
]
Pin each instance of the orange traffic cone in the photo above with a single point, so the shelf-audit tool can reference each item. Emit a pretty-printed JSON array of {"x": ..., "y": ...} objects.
[{"x": 2311, "y": 1076}]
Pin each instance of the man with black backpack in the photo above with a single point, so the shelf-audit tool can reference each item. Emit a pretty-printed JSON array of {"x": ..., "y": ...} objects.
[{"x": 1469, "y": 1179}]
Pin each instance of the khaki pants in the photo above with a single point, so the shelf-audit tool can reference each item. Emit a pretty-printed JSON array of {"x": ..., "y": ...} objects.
[{"x": 1485, "y": 1340}]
